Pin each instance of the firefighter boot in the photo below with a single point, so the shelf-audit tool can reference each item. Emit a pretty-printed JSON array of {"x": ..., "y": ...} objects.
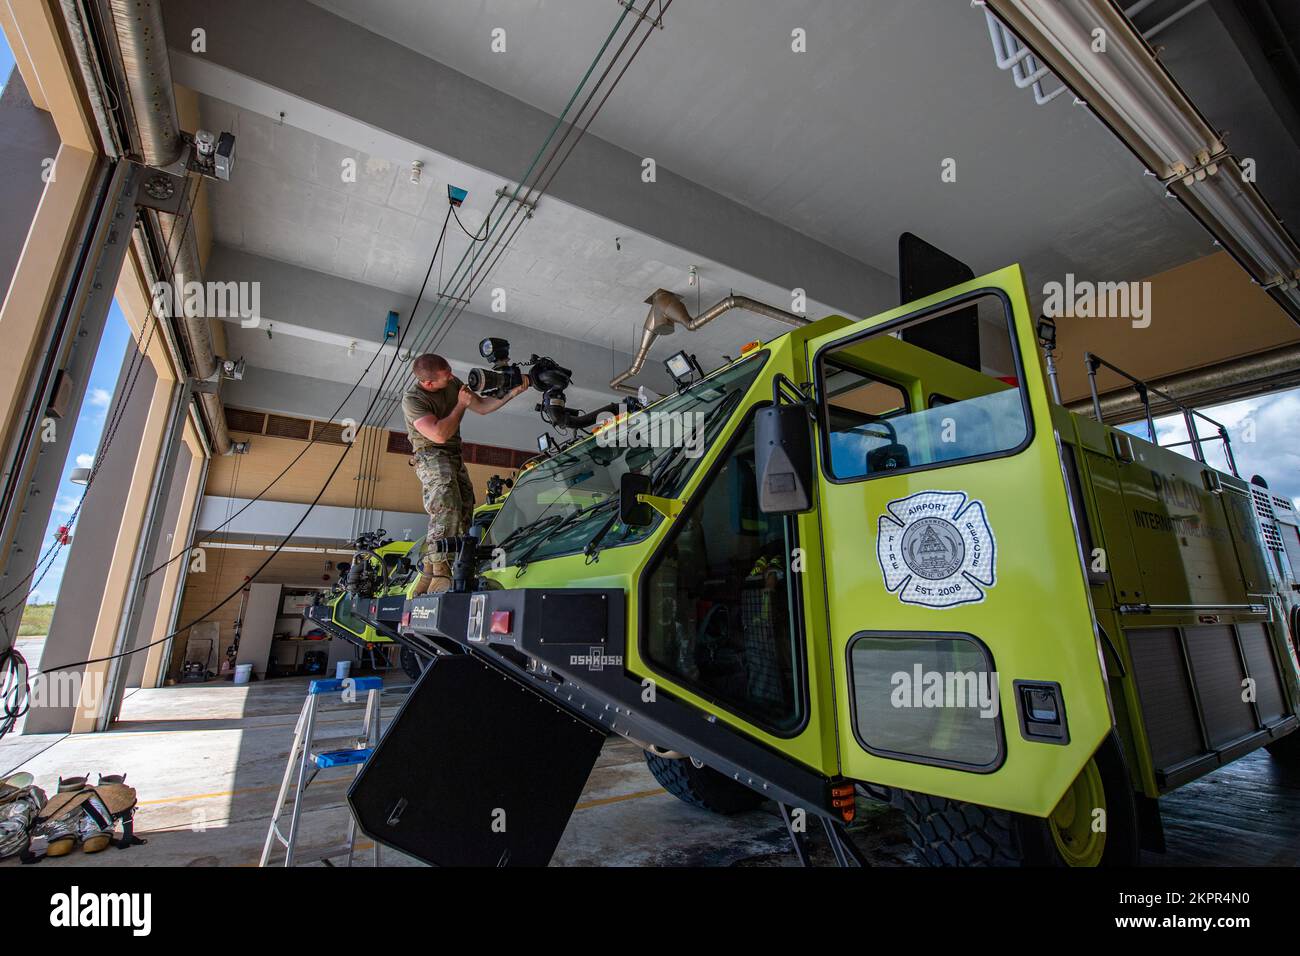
[{"x": 435, "y": 577}]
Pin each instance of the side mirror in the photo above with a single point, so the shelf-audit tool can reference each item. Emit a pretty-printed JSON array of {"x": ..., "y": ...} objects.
[
  {"x": 783, "y": 460},
  {"x": 633, "y": 513}
]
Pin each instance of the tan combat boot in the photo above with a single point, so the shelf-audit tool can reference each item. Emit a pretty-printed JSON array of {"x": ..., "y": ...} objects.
[
  {"x": 435, "y": 577},
  {"x": 441, "y": 577}
]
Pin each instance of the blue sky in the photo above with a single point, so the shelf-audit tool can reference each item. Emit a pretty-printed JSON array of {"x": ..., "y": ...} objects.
[
  {"x": 90, "y": 423},
  {"x": 1264, "y": 433},
  {"x": 6, "y": 62},
  {"x": 85, "y": 442}
]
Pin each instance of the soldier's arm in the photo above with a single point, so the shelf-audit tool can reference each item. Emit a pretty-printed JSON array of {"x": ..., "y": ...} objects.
[
  {"x": 440, "y": 430},
  {"x": 485, "y": 406}
]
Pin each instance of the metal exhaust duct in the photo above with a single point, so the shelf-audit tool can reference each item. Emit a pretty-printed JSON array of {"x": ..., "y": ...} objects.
[
  {"x": 667, "y": 311},
  {"x": 142, "y": 44}
]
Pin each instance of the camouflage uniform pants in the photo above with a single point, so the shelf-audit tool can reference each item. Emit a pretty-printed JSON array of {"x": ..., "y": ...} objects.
[{"x": 448, "y": 494}]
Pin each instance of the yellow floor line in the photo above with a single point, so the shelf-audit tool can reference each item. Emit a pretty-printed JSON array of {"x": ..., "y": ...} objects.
[
  {"x": 119, "y": 735},
  {"x": 586, "y": 805},
  {"x": 604, "y": 801},
  {"x": 231, "y": 793}
]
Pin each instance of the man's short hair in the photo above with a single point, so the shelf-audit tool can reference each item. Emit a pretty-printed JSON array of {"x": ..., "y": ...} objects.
[{"x": 428, "y": 365}]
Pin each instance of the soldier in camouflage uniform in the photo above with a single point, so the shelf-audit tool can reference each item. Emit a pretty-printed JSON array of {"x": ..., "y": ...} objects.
[{"x": 433, "y": 408}]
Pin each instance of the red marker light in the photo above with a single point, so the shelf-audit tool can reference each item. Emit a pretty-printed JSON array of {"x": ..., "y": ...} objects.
[
  {"x": 842, "y": 799},
  {"x": 500, "y": 622}
]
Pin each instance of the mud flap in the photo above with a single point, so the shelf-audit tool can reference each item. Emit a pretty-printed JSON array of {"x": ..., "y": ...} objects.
[{"x": 477, "y": 770}]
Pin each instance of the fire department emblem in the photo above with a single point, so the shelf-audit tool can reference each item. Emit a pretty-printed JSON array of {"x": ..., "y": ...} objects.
[{"x": 936, "y": 549}]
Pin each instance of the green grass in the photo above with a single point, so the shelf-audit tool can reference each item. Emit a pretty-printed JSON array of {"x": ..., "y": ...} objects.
[{"x": 36, "y": 620}]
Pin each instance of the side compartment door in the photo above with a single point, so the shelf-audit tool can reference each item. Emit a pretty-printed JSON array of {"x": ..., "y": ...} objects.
[{"x": 960, "y": 627}]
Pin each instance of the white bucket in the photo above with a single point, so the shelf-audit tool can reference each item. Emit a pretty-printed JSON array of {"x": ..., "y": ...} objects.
[
  {"x": 342, "y": 669},
  {"x": 243, "y": 673}
]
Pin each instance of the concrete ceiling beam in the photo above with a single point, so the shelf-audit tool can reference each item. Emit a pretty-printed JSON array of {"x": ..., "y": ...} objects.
[
  {"x": 356, "y": 87},
  {"x": 354, "y": 311}
]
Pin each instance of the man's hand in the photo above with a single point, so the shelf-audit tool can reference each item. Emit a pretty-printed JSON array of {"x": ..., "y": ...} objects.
[
  {"x": 465, "y": 397},
  {"x": 486, "y": 406}
]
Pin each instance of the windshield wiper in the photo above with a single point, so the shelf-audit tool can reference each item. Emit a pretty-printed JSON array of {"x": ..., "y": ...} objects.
[
  {"x": 658, "y": 477},
  {"x": 526, "y": 528},
  {"x": 592, "y": 548},
  {"x": 662, "y": 469},
  {"x": 567, "y": 521}
]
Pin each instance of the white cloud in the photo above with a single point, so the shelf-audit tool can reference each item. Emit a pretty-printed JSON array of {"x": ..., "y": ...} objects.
[
  {"x": 64, "y": 504},
  {"x": 100, "y": 397},
  {"x": 1265, "y": 435},
  {"x": 85, "y": 461}
]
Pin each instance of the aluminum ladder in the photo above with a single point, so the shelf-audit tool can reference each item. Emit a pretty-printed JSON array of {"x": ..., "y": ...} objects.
[{"x": 308, "y": 763}]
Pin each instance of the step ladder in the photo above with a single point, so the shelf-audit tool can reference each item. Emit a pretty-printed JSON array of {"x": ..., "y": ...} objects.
[{"x": 308, "y": 763}]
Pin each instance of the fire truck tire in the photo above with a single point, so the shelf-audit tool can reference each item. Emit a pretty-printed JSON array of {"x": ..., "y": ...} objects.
[
  {"x": 411, "y": 663},
  {"x": 702, "y": 787},
  {"x": 951, "y": 833}
]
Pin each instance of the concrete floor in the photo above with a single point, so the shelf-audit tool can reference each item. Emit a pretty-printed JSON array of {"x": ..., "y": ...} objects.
[{"x": 206, "y": 760}]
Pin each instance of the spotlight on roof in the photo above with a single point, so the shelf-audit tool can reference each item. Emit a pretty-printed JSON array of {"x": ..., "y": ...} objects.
[{"x": 683, "y": 368}]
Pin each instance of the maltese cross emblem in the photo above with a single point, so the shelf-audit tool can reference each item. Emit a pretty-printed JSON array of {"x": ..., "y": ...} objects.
[{"x": 936, "y": 549}]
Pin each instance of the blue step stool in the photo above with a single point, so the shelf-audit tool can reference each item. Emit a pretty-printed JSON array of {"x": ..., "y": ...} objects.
[{"x": 310, "y": 763}]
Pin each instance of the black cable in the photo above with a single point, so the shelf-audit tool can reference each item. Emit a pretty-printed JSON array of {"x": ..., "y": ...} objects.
[
  {"x": 470, "y": 276},
  {"x": 473, "y": 235},
  {"x": 14, "y": 691},
  {"x": 498, "y": 245},
  {"x": 186, "y": 550},
  {"x": 360, "y": 498},
  {"x": 278, "y": 548},
  {"x": 501, "y": 197},
  {"x": 480, "y": 274},
  {"x": 230, "y": 497},
  {"x": 227, "y": 599},
  {"x": 499, "y": 248},
  {"x": 116, "y": 413}
]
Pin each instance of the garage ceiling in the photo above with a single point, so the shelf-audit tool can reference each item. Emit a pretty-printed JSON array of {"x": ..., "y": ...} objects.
[
  {"x": 844, "y": 142},
  {"x": 568, "y": 272},
  {"x": 838, "y": 150}
]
